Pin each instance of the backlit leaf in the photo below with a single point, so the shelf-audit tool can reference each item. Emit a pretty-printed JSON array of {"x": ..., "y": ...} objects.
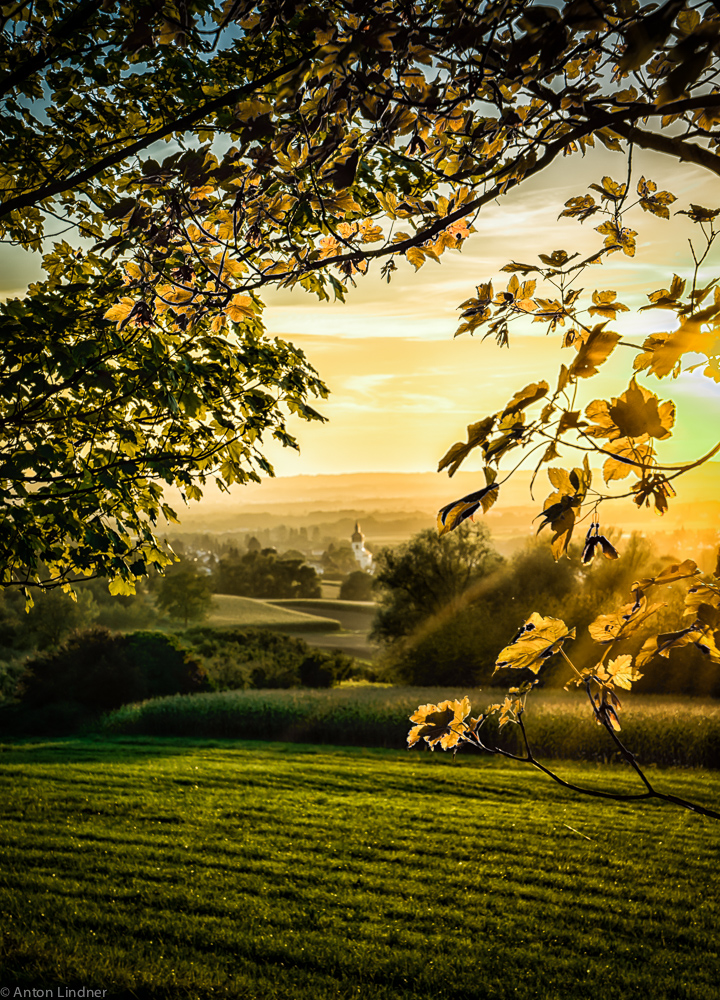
[
  {"x": 538, "y": 640},
  {"x": 121, "y": 310},
  {"x": 622, "y": 623},
  {"x": 439, "y": 725},
  {"x": 477, "y": 436},
  {"x": 594, "y": 352},
  {"x": 453, "y": 514},
  {"x": 619, "y": 671}
]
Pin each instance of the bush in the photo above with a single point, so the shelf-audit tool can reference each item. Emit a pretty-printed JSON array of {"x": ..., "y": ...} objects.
[
  {"x": 357, "y": 587},
  {"x": 321, "y": 669},
  {"x": 258, "y": 658},
  {"x": 100, "y": 670},
  {"x": 457, "y": 640}
]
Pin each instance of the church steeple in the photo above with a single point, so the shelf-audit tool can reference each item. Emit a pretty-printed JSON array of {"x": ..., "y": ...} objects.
[{"x": 363, "y": 557}]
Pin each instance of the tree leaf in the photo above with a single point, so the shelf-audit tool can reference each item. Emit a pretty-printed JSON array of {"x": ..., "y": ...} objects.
[
  {"x": 594, "y": 352},
  {"x": 454, "y": 513},
  {"x": 525, "y": 397},
  {"x": 622, "y": 623},
  {"x": 538, "y": 640},
  {"x": 442, "y": 724},
  {"x": 619, "y": 671},
  {"x": 477, "y": 437}
]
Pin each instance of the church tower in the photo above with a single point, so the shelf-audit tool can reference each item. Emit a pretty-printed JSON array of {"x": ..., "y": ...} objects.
[{"x": 363, "y": 558}]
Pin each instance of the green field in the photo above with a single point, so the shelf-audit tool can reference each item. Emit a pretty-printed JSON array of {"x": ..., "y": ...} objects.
[
  {"x": 352, "y": 615},
  {"x": 355, "y": 619},
  {"x": 229, "y": 611},
  {"x": 274, "y": 872},
  {"x": 659, "y": 729}
]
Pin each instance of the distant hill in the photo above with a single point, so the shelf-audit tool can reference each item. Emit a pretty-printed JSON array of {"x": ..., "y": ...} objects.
[{"x": 396, "y": 505}]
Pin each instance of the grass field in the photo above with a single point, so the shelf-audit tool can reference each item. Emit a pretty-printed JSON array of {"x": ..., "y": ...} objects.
[
  {"x": 659, "y": 728},
  {"x": 275, "y": 872},
  {"x": 355, "y": 618},
  {"x": 245, "y": 612}
]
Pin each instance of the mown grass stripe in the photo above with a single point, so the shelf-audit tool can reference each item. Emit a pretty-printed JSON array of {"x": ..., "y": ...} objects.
[{"x": 299, "y": 873}]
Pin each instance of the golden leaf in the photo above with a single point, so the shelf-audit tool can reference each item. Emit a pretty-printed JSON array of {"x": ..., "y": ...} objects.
[
  {"x": 593, "y": 352},
  {"x": 121, "y": 310},
  {"x": 454, "y": 513},
  {"x": 617, "y": 238},
  {"x": 604, "y": 304},
  {"x": 442, "y": 724},
  {"x": 416, "y": 257},
  {"x": 699, "y": 595},
  {"x": 239, "y": 308},
  {"x": 477, "y": 436},
  {"x": 538, "y": 640},
  {"x": 671, "y": 574},
  {"x": 665, "y": 354},
  {"x": 623, "y": 623},
  {"x": 628, "y": 457},
  {"x": 525, "y": 397},
  {"x": 638, "y": 412},
  {"x": 619, "y": 671},
  {"x": 660, "y": 645}
]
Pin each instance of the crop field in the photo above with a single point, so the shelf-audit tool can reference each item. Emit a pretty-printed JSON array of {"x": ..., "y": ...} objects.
[
  {"x": 230, "y": 611},
  {"x": 167, "y": 868},
  {"x": 659, "y": 729}
]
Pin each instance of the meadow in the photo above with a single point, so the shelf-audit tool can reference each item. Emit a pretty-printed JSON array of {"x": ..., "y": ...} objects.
[
  {"x": 159, "y": 868},
  {"x": 230, "y": 611},
  {"x": 659, "y": 729}
]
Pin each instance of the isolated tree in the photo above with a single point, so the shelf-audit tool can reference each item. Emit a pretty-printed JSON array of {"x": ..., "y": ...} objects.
[
  {"x": 185, "y": 593},
  {"x": 428, "y": 576},
  {"x": 357, "y": 587}
]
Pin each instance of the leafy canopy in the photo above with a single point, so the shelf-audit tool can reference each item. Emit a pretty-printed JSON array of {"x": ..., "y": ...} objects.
[{"x": 305, "y": 143}]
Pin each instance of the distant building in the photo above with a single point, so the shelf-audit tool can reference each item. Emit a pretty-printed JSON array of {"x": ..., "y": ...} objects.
[{"x": 363, "y": 558}]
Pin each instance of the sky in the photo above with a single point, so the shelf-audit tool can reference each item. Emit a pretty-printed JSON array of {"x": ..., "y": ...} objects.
[{"x": 403, "y": 389}]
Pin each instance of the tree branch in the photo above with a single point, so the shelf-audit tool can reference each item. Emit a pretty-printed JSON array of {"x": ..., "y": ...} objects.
[
  {"x": 75, "y": 19},
  {"x": 178, "y": 125},
  {"x": 672, "y": 145}
]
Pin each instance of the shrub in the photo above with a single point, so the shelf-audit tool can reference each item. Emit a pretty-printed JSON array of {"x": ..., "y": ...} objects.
[
  {"x": 100, "y": 670},
  {"x": 258, "y": 658},
  {"x": 357, "y": 587},
  {"x": 242, "y": 658}
]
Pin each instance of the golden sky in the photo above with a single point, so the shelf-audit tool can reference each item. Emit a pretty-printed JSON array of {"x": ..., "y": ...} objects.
[{"x": 403, "y": 390}]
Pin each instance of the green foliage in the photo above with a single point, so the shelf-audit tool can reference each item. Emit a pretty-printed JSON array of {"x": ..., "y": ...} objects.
[
  {"x": 259, "y": 658},
  {"x": 93, "y": 414},
  {"x": 428, "y": 576},
  {"x": 264, "y": 575},
  {"x": 185, "y": 593},
  {"x": 98, "y": 670},
  {"x": 358, "y": 586},
  {"x": 666, "y": 730},
  {"x": 54, "y": 616}
]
